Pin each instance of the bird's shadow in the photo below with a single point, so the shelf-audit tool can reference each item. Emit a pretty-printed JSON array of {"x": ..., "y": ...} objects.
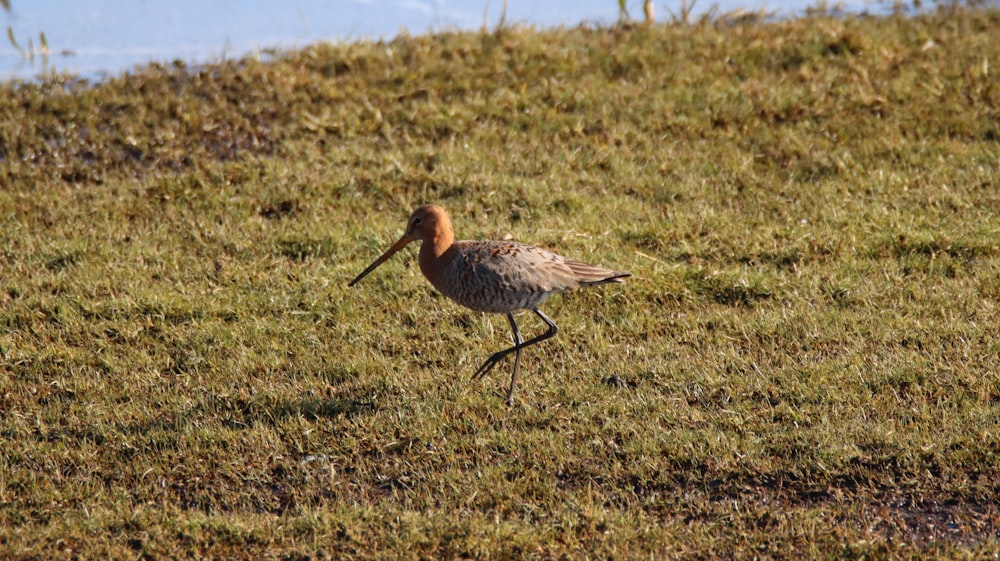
[
  {"x": 239, "y": 413},
  {"x": 317, "y": 407}
]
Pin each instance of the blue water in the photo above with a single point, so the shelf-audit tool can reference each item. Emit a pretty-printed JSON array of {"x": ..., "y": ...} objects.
[{"x": 99, "y": 38}]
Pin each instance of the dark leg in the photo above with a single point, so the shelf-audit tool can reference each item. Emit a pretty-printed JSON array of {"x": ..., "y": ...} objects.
[
  {"x": 498, "y": 356},
  {"x": 517, "y": 357}
]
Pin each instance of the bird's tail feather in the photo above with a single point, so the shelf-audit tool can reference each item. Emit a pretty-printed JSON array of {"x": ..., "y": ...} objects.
[{"x": 589, "y": 275}]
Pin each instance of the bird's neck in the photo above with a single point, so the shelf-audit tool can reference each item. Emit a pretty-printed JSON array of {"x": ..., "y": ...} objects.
[{"x": 433, "y": 255}]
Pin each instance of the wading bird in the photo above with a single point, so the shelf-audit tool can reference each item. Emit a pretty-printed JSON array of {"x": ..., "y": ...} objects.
[{"x": 493, "y": 276}]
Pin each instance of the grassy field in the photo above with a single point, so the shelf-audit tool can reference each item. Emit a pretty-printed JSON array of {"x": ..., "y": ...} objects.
[{"x": 806, "y": 363}]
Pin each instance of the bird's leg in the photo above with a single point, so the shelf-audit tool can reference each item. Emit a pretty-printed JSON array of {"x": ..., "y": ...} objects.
[
  {"x": 517, "y": 356},
  {"x": 500, "y": 355}
]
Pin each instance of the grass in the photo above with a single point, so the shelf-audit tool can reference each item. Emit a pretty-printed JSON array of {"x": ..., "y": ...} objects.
[{"x": 805, "y": 363}]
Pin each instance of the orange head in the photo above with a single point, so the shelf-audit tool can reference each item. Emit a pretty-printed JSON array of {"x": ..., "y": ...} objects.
[{"x": 429, "y": 223}]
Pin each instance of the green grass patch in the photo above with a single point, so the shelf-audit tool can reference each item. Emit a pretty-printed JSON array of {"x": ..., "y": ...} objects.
[{"x": 804, "y": 365}]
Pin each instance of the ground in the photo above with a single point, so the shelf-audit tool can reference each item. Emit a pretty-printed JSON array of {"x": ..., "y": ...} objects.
[{"x": 804, "y": 364}]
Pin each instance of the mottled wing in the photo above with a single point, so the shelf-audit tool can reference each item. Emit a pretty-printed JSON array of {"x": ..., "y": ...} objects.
[{"x": 500, "y": 276}]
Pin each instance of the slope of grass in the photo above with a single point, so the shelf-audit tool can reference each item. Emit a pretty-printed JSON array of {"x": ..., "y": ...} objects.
[{"x": 805, "y": 363}]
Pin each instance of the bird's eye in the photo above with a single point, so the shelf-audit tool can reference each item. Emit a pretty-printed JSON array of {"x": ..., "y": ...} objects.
[{"x": 417, "y": 220}]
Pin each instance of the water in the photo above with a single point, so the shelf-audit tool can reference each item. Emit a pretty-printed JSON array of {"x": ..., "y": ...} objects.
[{"x": 99, "y": 38}]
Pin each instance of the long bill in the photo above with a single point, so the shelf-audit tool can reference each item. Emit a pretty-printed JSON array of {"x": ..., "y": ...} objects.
[{"x": 403, "y": 241}]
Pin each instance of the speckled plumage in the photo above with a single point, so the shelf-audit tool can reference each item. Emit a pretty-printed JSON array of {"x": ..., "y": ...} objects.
[
  {"x": 493, "y": 276},
  {"x": 499, "y": 276}
]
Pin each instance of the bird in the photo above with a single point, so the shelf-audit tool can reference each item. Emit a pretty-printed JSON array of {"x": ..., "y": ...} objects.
[{"x": 493, "y": 276}]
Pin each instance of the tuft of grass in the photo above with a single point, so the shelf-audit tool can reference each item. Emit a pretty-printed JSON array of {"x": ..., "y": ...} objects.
[{"x": 804, "y": 365}]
